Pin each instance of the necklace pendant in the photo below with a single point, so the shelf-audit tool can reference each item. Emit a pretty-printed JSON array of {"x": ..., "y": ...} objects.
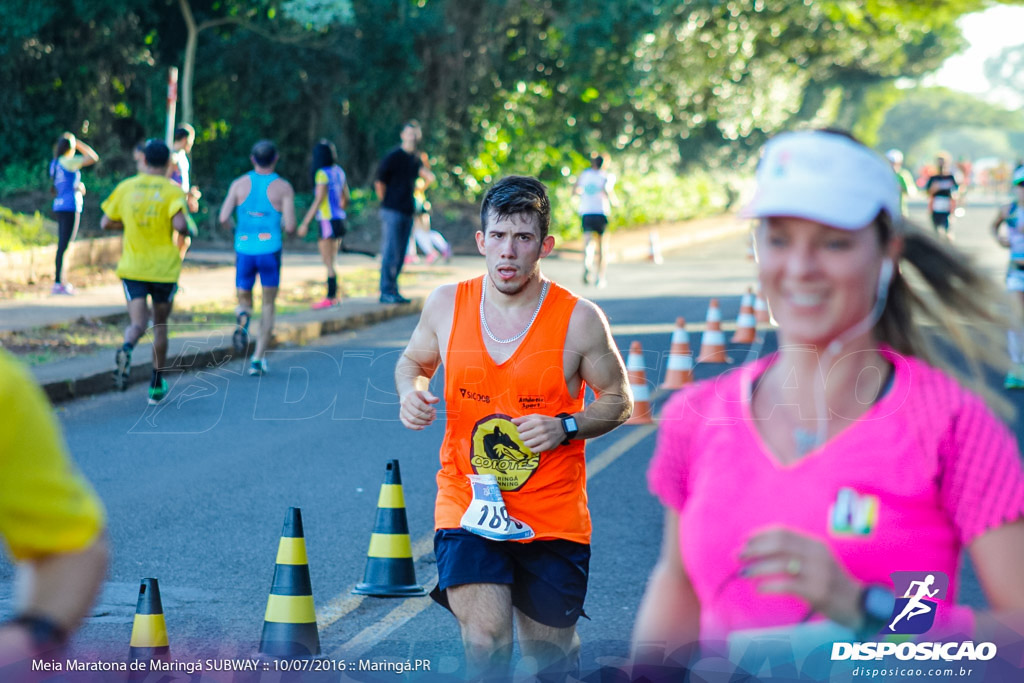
[{"x": 805, "y": 441}]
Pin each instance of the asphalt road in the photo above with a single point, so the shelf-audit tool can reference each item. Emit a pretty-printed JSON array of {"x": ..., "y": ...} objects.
[{"x": 197, "y": 488}]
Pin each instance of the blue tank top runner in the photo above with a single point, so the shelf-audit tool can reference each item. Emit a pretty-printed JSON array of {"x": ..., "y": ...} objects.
[
  {"x": 64, "y": 182},
  {"x": 257, "y": 222}
]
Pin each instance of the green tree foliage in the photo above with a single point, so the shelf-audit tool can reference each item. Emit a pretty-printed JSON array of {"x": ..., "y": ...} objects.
[
  {"x": 1005, "y": 72},
  {"x": 501, "y": 86},
  {"x": 927, "y": 112}
]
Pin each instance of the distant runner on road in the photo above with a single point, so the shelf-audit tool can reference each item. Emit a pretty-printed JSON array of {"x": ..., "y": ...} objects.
[
  {"x": 261, "y": 202},
  {"x": 942, "y": 191},
  {"x": 330, "y": 202},
  {"x": 150, "y": 209},
  {"x": 595, "y": 188}
]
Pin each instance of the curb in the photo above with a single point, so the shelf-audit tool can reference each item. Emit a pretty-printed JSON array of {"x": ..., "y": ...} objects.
[
  {"x": 192, "y": 357},
  {"x": 640, "y": 252},
  {"x": 716, "y": 227}
]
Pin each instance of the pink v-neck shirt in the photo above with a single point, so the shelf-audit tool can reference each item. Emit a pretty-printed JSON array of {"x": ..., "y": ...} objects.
[{"x": 921, "y": 474}]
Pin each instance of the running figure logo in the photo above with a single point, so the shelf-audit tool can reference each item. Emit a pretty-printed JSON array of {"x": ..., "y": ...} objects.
[{"x": 914, "y": 612}]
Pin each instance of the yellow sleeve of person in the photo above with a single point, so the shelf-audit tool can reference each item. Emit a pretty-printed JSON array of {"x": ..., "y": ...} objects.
[{"x": 46, "y": 505}]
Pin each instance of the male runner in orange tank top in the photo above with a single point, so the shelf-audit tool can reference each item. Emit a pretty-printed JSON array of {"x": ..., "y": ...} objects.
[{"x": 519, "y": 352}]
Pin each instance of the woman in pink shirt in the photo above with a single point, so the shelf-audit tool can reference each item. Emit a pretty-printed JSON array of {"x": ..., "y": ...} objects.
[{"x": 810, "y": 487}]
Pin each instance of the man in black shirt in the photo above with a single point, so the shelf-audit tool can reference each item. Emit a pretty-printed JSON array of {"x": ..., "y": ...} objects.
[
  {"x": 942, "y": 195},
  {"x": 396, "y": 179}
]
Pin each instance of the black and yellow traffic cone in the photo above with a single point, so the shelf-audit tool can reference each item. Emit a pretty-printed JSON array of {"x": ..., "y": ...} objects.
[
  {"x": 149, "y": 631},
  {"x": 289, "y": 627},
  {"x": 389, "y": 568}
]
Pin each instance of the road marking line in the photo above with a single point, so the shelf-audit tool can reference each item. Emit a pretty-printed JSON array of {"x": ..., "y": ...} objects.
[
  {"x": 410, "y": 607},
  {"x": 346, "y": 602},
  {"x": 388, "y": 624}
]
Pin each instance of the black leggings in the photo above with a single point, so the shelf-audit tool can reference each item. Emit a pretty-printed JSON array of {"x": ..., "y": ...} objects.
[{"x": 67, "y": 226}]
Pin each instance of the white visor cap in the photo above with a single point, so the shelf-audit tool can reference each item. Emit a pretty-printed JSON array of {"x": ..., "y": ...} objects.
[{"x": 823, "y": 177}]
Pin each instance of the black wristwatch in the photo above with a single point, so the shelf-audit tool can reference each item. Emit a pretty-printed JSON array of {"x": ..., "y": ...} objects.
[
  {"x": 569, "y": 426},
  {"x": 45, "y": 634},
  {"x": 876, "y": 604}
]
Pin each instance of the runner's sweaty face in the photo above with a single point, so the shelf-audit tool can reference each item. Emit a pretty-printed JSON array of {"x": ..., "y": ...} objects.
[{"x": 513, "y": 248}]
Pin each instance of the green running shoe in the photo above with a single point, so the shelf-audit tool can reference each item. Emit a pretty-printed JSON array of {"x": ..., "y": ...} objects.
[
  {"x": 1013, "y": 381},
  {"x": 258, "y": 367},
  {"x": 157, "y": 392}
]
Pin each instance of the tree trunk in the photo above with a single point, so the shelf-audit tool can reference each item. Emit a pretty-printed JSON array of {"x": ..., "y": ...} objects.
[{"x": 188, "y": 72}]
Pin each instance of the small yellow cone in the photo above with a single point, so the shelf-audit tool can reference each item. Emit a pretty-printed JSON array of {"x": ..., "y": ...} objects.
[
  {"x": 289, "y": 627},
  {"x": 390, "y": 572},
  {"x": 149, "y": 631}
]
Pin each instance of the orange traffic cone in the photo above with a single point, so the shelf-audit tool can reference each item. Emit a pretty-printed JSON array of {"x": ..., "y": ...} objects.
[
  {"x": 638, "y": 383},
  {"x": 149, "y": 631},
  {"x": 654, "y": 254},
  {"x": 712, "y": 342},
  {"x": 746, "y": 324},
  {"x": 390, "y": 572},
  {"x": 761, "y": 313},
  {"x": 680, "y": 358}
]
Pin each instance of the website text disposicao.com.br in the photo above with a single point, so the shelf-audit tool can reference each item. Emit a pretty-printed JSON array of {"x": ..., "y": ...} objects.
[{"x": 947, "y": 673}]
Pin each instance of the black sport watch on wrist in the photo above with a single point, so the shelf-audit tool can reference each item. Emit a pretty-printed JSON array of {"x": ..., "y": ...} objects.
[
  {"x": 569, "y": 426},
  {"x": 876, "y": 603}
]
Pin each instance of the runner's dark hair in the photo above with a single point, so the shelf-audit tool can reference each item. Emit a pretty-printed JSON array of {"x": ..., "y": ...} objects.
[{"x": 517, "y": 195}]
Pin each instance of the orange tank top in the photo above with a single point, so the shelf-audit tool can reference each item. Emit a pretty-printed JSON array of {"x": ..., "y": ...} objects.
[{"x": 546, "y": 490}]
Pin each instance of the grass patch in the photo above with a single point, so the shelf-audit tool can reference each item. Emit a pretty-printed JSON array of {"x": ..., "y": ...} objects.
[
  {"x": 87, "y": 336},
  {"x": 20, "y": 231}
]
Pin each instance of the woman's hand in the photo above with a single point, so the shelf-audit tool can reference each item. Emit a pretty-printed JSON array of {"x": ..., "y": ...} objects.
[{"x": 789, "y": 563}]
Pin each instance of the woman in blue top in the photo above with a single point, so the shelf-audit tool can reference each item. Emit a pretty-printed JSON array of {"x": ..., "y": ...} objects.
[
  {"x": 69, "y": 193},
  {"x": 329, "y": 204}
]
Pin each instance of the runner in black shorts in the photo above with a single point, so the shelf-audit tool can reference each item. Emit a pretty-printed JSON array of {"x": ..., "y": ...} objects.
[
  {"x": 548, "y": 578},
  {"x": 151, "y": 210},
  {"x": 595, "y": 188},
  {"x": 328, "y": 208},
  {"x": 512, "y": 527},
  {"x": 942, "y": 194}
]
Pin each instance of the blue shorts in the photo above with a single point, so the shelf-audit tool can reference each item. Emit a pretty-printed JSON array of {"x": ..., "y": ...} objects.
[
  {"x": 267, "y": 265},
  {"x": 548, "y": 578}
]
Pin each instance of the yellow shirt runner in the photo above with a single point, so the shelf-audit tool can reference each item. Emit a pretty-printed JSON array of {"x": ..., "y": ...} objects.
[
  {"x": 46, "y": 506},
  {"x": 145, "y": 205}
]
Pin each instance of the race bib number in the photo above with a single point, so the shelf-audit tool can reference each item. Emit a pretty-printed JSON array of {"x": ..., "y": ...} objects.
[
  {"x": 941, "y": 204},
  {"x": 487, "y": 515}
]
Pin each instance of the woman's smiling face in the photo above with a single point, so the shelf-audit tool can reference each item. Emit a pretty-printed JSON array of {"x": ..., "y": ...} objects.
[{"x": 820, "y": 281}]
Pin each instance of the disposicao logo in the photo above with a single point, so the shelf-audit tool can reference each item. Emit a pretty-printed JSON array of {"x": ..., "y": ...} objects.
[{"x": 917, "y": 602}]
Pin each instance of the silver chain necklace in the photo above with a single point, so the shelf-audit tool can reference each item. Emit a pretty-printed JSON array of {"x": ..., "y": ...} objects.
[{"x": 483, "y": 318}]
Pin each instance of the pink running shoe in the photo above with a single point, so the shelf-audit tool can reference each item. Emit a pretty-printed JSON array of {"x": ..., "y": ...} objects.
[
  {"x": 325, "y": 303},
  {"x": 62, "y": 289}
]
